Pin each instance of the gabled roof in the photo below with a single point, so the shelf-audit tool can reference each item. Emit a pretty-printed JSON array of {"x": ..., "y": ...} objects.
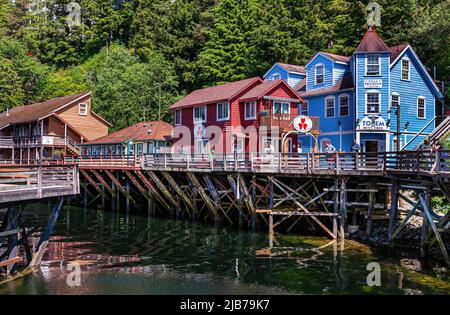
[
  {"x": 143, "y": 131},
  {"x": 265, "y": 88},
  {"x": 345, "y": 83},
  {"x": 339, "y": 58},
  {"x": 421, "y": 68},
  {"x": 213, "y": 94},
  {"x": 330, "y": 56},
  {"x": 397, "y": 50},
  {"x": 37, "y": 111},
  {"x": 301, "y": 86},
  {"x": 292, "y": 68},
  {"x": 287, "y": 67},
  {"x": 372, "y": 42}
]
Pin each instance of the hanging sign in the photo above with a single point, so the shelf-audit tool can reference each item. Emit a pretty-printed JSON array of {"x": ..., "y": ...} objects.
[
  {"x": 373, "y": 84},
  {"x": 302, "y": 124},
  {"x": 46, "y": 140},
  {"x": 373, "y": 123}
]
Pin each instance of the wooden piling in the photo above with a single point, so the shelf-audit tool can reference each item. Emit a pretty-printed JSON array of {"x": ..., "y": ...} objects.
[
  {"x": 393, "y": 211},
  {"x": 370, "y": 210}
]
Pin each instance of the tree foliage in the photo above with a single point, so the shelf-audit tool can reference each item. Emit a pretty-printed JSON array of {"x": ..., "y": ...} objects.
[{"x": 125, "y": 50}]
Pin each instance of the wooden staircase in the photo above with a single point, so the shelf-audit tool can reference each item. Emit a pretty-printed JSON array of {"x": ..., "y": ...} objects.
[
  {"x": 72, "y": 147},
  {"x": 441, "y": 131}
]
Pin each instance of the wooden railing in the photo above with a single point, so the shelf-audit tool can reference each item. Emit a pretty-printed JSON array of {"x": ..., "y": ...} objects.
[
  {"x": 6, "y": 142},
  {"x": 412, "y": 162},
  {"x": 38, "y": 140},
  {"x": 37, "y": 181},
  {"x": 283, "y": 121}
]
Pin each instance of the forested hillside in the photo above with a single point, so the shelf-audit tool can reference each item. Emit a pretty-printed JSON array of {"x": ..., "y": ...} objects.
[{"x": 139, "y": 55}]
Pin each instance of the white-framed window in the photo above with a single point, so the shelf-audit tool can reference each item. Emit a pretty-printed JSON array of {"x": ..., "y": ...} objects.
[
  {"x": 82, "y": 109},
  {"x": 395, "y": 100},
  {"x": 344, "y": 106},
  {"x": 199, "y": 114},
  {"x": 329, "y": 107},
  {"x": 373, "y": 65},
  {"x": 421, "y": 106},
  {"x": 250, "y": 110},
  {"x": 276, "y": 76},
  {"x": 304, "y": 108},
  {"x": 373, "y": 103},
  {"x": 406, "y": 69},
  {"x": 319, "y": 73},
  {"x": 177, "y": 117},
  {"x": 223, "y": 111},
  {"x": 281, "y": 107}
]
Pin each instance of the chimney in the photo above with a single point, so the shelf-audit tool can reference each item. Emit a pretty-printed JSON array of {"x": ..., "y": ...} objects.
[{"x": 7, "y": 111}]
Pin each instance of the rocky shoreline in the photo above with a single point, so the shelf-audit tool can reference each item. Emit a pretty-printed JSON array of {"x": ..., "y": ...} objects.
[{"x": 409, "y": 238}]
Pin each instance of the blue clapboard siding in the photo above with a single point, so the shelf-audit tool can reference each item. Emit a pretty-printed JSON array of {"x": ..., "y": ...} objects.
[
  {"x": 294, "y": 79},
  {"x": 409, "y": 91},
  {"x": 338, "y": 71},
  {"x": 362, "y": 91},
  {"x": 328, "y": 73}
]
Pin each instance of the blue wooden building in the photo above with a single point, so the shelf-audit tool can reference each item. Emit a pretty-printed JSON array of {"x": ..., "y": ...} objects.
[{"x": 358, "y": 96}]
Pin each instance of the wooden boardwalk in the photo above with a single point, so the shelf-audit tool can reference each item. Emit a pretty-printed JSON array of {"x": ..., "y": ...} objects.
[
  {"x": 409, "y": 163},
  {"x": 31, "y": 182}
]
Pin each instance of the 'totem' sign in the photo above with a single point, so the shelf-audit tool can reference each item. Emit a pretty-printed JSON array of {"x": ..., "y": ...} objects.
[{"x": 303, "y": 124}]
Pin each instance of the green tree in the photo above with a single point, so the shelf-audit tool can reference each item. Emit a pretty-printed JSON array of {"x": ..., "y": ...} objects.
[
  {"x": 11, "y": 92},
  {"x": 29, "y": 75},
  {"x": 126, "y": 90},
  {"x": 227, "y": 53}
]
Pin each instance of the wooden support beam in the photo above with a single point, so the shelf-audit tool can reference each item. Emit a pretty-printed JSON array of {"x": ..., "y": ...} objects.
[
  {"x": 425, "y": 205},
  {"x": 343, "y": 208},
  {"x": 214, "y": 193},
  {"x": 48, "y": 230},
  {"x": 209, "y": 203},
  {"x": 119, "y": 186},
  {"x": 300, "y": 206},
  {"x": 402, "y": 225},
  {"x": 248, "y": 200},
  {"x": 163, "y": 188},
  {"x": 370, "y": 210},
  {"x": 93, "y": 183},
  {"x": 103, "y": 182},
  {"x": 179, "y": 191},
  {"x": 393, "y": 212},
  {"x": 137, "y": 184},
  {"x": 154, "y": 191}
]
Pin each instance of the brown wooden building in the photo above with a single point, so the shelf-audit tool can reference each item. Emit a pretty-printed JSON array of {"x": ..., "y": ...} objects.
[{"x": 50, "y": 129}]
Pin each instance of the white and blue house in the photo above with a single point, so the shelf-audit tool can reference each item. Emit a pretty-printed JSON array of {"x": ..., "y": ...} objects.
[{"x": 358, "y": 96}]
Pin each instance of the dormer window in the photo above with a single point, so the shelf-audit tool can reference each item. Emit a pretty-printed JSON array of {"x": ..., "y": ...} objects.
[
  {"x": 373, "y": 65},
  {"x": 82, "y": 109},
  {"x": 405, "y": 69},
  {"x": 319, "y": 74},
  {"x": 276, "y": 76}
]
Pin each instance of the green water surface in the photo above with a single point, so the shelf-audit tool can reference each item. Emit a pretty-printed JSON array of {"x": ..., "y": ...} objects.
[{"x": 138, "y": 254}]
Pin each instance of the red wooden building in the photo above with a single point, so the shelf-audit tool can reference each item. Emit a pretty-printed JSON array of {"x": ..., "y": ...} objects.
[{"x": 242, "y": 116}]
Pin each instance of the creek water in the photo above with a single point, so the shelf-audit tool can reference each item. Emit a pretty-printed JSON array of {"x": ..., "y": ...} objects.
[{"x": 121, "y": 253}]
